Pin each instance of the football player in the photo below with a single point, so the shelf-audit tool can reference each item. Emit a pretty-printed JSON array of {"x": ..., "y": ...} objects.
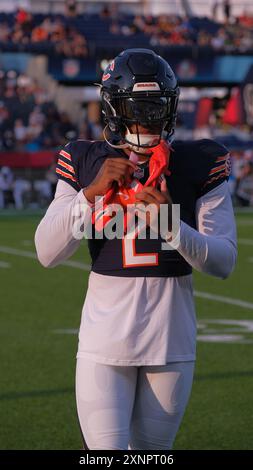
[{"x": 137, "y": 337}]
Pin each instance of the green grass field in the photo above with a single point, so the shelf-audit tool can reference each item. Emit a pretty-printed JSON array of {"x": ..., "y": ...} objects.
[{"x": 37, "y": 402}]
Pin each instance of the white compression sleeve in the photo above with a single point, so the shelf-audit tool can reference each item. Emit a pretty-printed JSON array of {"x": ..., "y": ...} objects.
[
  {"x": 212, "y": 248},
  {"x": 54, "y": 239}
]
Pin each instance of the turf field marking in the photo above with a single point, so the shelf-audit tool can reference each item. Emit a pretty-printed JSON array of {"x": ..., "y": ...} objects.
[
  {"x": 3, "y": 264},
  {"x": 245, "y": 241},
  {"x": 211, "y": 334},
  {"x": 222, "y": 339},
  {"x": 35, "y": 393},
  {"x": 245, "y": 326},
  {"x": 67, "y": 331},
  {"x": 14, "y": 251},
  {"x": 244, "y": 222},
  {"x": 243, "y": 210},
  {"x": 223, "y": 299},
  {"x": 32, "y": 255},
  {"x": 233, "y": 331},
  {"x": 27, "y": 242},
  {"x": 86, "y": 267}
]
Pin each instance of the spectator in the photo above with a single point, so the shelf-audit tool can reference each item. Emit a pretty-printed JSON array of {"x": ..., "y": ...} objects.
[
  {"x": 6, "y": 184},
  {"x": 20, "y": 133},
  {"x": 20, "y": 188},
  {"x": 5, "y": 32},
  {"x": 244, "y": 192},
  {"x": 227, "y": 10},
  {"x": 71, "y": 8},
  {"x": 215, "y": 9},
  {"x": 51, "y": 177}
]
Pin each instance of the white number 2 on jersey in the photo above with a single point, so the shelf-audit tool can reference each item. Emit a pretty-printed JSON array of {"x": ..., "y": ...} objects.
[{"x": 131, "y": 258}]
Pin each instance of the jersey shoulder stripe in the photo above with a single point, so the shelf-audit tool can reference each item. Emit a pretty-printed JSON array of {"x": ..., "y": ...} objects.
[
  {"x": 65, "y": 165},
  {"x": 65, "y": 154},
  {"x": 65, "y": 175},
  {"x": 217, "y": 164},
  {"x": 66, "y": 168},
  {"x": 219, "y": 173},
  {"x": 216, "y": 169}
]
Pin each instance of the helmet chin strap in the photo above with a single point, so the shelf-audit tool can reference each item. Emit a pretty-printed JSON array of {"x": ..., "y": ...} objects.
[
  {"x": 132, "y": 142},
  {"x": 117, "y": 146},
  {"x": 149, "y": 140}
]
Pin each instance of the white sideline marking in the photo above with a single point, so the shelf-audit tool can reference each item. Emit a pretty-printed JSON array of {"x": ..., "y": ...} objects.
[
  {"x": 27, "y": 243},
  {"x": 3, "y": 264},
  {"x": 221, "y": 338},
  {"x": 238, "y": 326},
  {"x": 245, "y": 241},
  {"x": 209, "y": 331},
  {"x": 223, "y": 299},
  {"x": 244, "y": 222},
  {"x": 67, "y": 331},
  {"x": 86, "y": 267},
  {"x": 32, "y": 255},
  {"x": 14, "y": 251}
]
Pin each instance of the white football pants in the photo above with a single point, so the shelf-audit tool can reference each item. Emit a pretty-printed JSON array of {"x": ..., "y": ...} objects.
[{"x": 130, "y": 407}]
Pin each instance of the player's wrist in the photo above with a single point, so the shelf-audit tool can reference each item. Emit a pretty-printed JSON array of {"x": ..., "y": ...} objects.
[{"x": 90, "y": 195}]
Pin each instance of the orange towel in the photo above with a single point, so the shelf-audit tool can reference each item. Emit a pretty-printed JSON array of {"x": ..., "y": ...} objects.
[{"x": 124, "y": 195}]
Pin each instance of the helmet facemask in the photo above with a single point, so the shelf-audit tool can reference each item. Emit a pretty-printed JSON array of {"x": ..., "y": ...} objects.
[
  {"x": 128, "y": 112},
  {"x": 139, "y": 94}
]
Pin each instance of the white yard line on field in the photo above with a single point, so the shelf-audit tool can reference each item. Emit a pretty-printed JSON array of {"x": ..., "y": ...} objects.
[
  {"x": 27, "y": 242},
  {"x": 3, "y": 264},
  {"x": 244, "y": 222},
  {"x": 66, "y": 331},
  {"x": 245, "y": 241},
  {"x": 31, "y": 254},
  {"x": 86, "y": 267},
  {"x": 223, "y": 299},
  {"x": 241, "y": 211}
]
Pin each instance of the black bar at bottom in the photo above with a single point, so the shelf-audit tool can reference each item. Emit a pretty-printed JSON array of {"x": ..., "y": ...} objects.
[{"x": 108, "y": 459}]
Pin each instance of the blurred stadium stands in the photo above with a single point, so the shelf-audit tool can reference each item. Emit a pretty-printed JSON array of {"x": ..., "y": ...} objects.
[{"x": 52, "y": 53}]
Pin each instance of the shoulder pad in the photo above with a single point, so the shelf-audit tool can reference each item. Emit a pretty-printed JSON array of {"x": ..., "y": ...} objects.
[{"x": 203, "y": 163}]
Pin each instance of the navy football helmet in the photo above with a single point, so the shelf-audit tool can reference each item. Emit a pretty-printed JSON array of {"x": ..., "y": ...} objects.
[{"x": 139, "y": 88}]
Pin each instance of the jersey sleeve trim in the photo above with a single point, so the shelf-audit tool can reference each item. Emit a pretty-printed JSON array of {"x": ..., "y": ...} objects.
[
  {"x": 218, "y": 174},
  {"x": 65, "y": 169},
  {"x": 65, "y": 165},
  {"x": 65, "y": 154},
  {"x": 65, "y": 175}
]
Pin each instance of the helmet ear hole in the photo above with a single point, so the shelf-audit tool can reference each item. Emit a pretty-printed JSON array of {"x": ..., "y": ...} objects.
[
  {"x": 115, "y": 124},
  {"x": 113, "y": 127}
]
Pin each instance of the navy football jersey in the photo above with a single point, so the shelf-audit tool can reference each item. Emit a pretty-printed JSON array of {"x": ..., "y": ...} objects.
[{"x": 195, "y": 168}]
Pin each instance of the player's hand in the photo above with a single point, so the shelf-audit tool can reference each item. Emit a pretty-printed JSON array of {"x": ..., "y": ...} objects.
[
  {"x": 113, "y": 169},
  {"x": 150, "y": 195}
]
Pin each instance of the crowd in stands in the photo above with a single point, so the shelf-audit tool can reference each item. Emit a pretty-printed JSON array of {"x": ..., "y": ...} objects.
[
  {"x": 23, "y": 29},
  {"x": 30, "y": 120},
  {"x": 74, "y": 35},
  {"x": 173, "y": 30}
]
